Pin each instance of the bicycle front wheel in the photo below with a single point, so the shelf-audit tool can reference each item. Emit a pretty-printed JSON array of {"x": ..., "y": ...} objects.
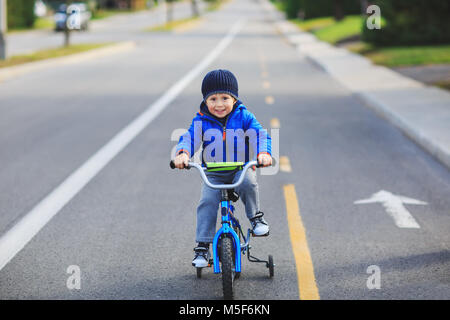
[{"x": 228, "y": 268}]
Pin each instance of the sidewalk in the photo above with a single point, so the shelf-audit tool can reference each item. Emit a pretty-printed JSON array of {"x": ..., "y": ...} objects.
[{"x": 420, "y": 111}]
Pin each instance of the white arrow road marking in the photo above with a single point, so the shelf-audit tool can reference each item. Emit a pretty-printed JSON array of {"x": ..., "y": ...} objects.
[{"x": 394, "y": 207}]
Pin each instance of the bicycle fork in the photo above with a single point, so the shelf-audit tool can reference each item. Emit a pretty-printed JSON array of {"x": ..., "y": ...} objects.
[{"x": 226, "y": 230}]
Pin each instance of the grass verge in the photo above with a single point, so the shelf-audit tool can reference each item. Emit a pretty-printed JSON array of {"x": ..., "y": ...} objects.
[
  {"x": 41, "y": 23},
  {"x": 172, "y": 25},
  {"x": 348, "y": 27},
  {"x": 404, "y": 56},
  {"x": 214, "y": 5},
  {"x": 332, "y": 31},
  {"x": 311, "y": 25},
  {"x": 50, "y": 53}
]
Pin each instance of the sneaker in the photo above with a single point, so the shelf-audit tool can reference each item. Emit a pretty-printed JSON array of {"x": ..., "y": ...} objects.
[
  {"x": 260, "y": 227},
  {"x": 201, "y": 258}
]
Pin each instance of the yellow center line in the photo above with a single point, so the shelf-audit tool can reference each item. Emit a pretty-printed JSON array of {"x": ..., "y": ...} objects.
[
  {"x": 305, "y": 271},
  {"x": 269, "y": 100},
  {"x": 285, "y": 164},
  {"x": 275, "y": 123}
]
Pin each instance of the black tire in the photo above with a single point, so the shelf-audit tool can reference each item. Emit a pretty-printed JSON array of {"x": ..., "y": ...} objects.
[
  {"x": 227, "y": 259},
  {"x": 199, "y": 272},
  {"x": 271, "y": 266}
]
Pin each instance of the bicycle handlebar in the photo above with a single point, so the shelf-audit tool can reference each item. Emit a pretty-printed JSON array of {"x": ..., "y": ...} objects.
[{"x": 220, "y": 186}]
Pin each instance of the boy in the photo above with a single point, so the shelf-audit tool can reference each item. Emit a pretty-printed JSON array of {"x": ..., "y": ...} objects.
[{"x": 221, "y": 116}]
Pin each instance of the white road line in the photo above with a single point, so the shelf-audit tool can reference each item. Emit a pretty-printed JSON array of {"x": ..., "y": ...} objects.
[{"x": 21, "y": 233}]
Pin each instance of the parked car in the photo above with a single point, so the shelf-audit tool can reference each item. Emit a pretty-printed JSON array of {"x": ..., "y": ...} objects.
[
  {"x": 40, "y": 10},
  {"x": 77, "y": 13}
]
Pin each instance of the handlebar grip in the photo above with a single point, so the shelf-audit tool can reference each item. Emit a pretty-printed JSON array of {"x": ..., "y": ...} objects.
[
  {"x": 172, "y": 165},
  {"x": 261, "y": 166}
]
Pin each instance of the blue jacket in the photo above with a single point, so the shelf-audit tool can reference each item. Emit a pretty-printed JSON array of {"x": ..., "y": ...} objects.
[{"x": 242, "y": 136}]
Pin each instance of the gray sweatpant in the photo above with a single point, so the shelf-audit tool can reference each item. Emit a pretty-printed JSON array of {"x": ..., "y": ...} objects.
[{"x": 210, "y": 201}]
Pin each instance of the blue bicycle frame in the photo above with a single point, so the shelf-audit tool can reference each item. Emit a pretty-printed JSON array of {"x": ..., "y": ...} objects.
[{"x": 228, "y": 222}]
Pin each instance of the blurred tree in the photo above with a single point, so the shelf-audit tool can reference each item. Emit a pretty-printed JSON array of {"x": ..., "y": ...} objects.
[
  {"x": 194, "y": 7},
  {"x": 364, "y": 5},
  {"x": 308, "y": 9},
  {"x": 293, "y": 8},
  {"x": 67, "y": 31},
  {"x": 411, "y": 22},
  {"x": 338, "y": 10},
  {"x": 169, "y": 10},
  {"x": 3, "y": 29}
]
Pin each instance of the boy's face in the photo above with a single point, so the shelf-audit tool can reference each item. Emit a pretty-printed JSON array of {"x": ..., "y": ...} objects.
[{"x": 220, "y": 104}]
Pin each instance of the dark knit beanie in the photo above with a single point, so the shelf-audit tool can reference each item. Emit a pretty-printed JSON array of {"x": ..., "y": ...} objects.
[{"x": 219, "y": 81}]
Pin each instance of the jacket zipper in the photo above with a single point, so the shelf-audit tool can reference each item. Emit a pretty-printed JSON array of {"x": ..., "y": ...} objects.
[{"x": 224, "y": 135}]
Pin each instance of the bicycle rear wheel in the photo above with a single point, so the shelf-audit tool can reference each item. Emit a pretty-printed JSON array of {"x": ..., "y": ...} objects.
[{"x": 228, "y": 268}]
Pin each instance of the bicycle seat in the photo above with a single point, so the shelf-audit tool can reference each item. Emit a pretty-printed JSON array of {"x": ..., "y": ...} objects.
[{"x": 232, "y": 195}]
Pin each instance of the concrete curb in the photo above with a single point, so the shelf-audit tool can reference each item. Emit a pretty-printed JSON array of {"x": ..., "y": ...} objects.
[
  {"x": 14, "y": 71},
  {"x": 422, "y": 113}
]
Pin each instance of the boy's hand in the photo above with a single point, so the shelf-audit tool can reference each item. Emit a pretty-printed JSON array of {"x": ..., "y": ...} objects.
[
  {"x": 181, "y": 161},
  {"x": 265, "y": 159}
]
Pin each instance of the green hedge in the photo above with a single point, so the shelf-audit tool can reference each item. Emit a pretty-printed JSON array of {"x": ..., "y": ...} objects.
[
  {"x": 319, "y": 8},
  {"x": 292, "y": 7},
  {"x": 20, "y": 14},
  {"x": 411, "y": 22}
]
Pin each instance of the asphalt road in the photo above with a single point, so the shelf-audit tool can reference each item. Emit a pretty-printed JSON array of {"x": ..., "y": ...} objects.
[{"x": 130, "y": 230}]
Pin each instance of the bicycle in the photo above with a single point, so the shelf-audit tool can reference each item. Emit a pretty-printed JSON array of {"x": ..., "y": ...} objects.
[{"x": 227, "y": 247}]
